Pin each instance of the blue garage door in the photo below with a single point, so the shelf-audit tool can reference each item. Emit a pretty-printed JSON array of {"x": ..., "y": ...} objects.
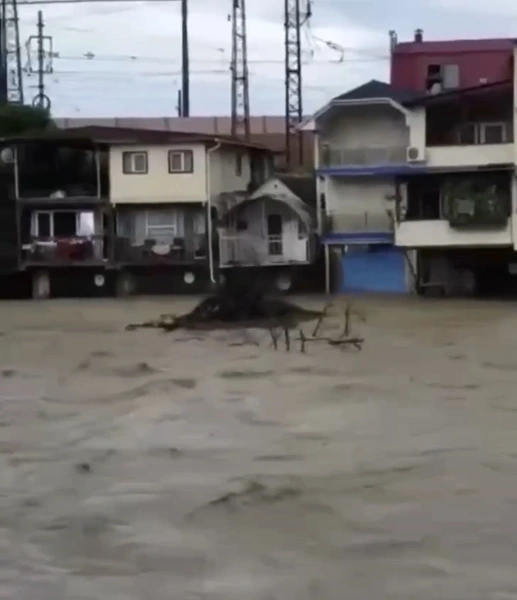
[{"x": 375, "y": 268}]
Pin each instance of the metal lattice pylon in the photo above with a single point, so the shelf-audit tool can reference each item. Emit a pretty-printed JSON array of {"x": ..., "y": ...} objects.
[
  {"x": 10, "y": 52},
  {"x": 295, "y": 18},
  {"x": 239, "y": 69}
]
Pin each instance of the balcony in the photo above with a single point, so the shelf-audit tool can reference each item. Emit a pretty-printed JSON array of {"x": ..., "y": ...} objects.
[
  {"x": 64, "y": 251},
  {"x": 251, "y": 250},
  {"x": 164, "y": 250},
  {"x": 337, "y": 157},
  {"x": 469, "y": 156},
  {"x": 439, "y": 233},
  {"x": 367, "y": 227}
]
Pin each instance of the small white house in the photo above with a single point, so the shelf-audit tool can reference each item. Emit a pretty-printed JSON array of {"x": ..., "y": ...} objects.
[{"x": 274, "y": 226}]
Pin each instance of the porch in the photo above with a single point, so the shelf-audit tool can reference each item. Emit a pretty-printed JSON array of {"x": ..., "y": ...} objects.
[
  {"x": 63, "y": 237},
  {"x": 161, "y": 235},
  {"x": 470, "y": 127},
  {"x": 458, "y": 209},
  {"x": 266, "y": 231}
]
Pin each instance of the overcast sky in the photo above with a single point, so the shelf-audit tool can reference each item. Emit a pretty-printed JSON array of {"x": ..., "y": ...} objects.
[{"x": 114, "y": 84}]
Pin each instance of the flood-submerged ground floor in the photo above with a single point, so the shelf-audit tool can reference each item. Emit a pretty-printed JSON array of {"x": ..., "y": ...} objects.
[{"x": 136, "y": 463}]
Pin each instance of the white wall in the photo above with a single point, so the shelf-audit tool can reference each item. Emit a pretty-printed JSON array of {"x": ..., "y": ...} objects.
[
  {"x": 251, "y": 246},
  {"x": 421, "y": 234},
  {"x": 157, "y": 185},
  {"x": 366, "y": 127},
  {"x": 224, "y": 176},
  {"x": 359, "y": 203},
  {"x": 467, "y": 156}
]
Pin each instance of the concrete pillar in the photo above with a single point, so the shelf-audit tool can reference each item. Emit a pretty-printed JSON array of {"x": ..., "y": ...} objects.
[
  {"x": 125, "y": 285},
  {"x": 40, "y": 285},
  {"x": 327, "y": 269}
]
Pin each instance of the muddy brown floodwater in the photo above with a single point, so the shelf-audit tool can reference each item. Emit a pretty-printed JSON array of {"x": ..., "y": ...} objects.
[{"x": 144, "y": 465}]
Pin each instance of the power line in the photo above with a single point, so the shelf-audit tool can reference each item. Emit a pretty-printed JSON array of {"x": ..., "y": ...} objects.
[{"x": 40, "y": 2}]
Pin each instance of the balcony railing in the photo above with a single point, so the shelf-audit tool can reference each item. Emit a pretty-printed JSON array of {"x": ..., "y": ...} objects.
[
  {"x": 335, "y": 157},
  {"x": 64, "y": 250},
  {"x": 160, "y": 251},
  {"x": 245, "y": 249},
  {"x": 367, "y": 222}
]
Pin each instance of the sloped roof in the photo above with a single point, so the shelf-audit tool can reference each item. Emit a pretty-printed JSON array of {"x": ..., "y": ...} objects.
[
  {"x": 303, "y": 186},
  {"x": 378, "y": 89},
  {"x": 494, "y": 86},
  {"x": 126, "y": 135}
]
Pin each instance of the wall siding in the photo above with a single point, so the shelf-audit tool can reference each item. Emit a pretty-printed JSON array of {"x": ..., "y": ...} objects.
[
  {"x": 359, "y": 203},
  {"x": 158, "y": 185},
  {"x": 223, "y": 171},
  {"x": 366, "y": 127}
]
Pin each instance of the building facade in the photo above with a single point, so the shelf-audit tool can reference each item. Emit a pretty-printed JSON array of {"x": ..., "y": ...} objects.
[
  {"x": 121, "y": 206},
  {"x": 416, "y": 191}
]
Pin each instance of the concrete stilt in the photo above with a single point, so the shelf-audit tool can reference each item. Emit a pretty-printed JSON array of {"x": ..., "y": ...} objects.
[
  {"x": 40, "y": 285},
  {"x": 125, "y": 285}
]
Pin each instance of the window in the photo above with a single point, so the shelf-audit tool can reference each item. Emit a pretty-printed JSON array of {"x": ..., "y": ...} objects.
[
  {"x": 62, "y": 224},
  {"x": 163, "y": 226},
  {"x": 467, "y": 134},
  {"x": 238, "y": 164},
  {"x": 442, "y": 77},
  {"x": 181, "y": 161},
  {"x": 492, "y": 133},
  {"x": 43, "y": 225},
  {"x": 134, "y": 163},
  {"x": 451, "y": 77}
]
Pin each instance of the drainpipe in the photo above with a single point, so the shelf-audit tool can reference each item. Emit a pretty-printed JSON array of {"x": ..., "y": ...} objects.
[{"x": 209, "y": 208}]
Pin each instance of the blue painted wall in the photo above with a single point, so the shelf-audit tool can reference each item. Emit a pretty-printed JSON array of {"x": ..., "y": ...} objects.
[{"x": 376, "y": 268}]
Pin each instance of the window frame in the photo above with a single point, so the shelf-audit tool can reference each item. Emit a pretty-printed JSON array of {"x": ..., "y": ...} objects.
[
  {"x": 484, "y": 126},
  {"x": 238, "y": 164},
  {"x": 130, "y": 154},
  {"x": 183, "y": 152}
]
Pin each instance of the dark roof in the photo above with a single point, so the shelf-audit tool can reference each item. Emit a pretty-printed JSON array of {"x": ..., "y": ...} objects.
[
  {"x": 507, "y": 84},
  {"x": 378, "y": 89},
  {"x": 124, "y": 135},
  {"x": 303, "y": 186}
]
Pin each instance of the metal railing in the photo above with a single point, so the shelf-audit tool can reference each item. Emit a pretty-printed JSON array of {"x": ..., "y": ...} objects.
[
  {"x": 64, "y": 250},
  {"x": 334, "y": 157},
  {"x": 255, "y": 250},
  {"x": 366, "y": 222},
  {"x": 160, "y": 250}
]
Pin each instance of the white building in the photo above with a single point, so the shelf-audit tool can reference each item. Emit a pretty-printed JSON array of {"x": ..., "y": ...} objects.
[{"x": 417, "y": 192}]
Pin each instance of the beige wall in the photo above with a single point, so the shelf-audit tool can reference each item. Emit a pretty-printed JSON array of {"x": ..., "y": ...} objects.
[
  {"x": 359, "y": 204},
  {"x": 223, "y": 171},
  {"x": 366, "y": 127},
  {"x": 158, "y": 185}
]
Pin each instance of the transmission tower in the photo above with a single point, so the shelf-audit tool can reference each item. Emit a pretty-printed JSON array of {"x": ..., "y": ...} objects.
[
  {"x": 295, "y": 19},
  {"x": 239, "y": 70},
  {"x": 11, "y": 83}
]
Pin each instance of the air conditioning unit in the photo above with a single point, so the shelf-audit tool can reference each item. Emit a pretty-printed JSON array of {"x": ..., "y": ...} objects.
[{"x": 414, "y": 154}]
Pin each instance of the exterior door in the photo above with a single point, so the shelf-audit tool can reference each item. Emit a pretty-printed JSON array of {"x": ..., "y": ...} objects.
[
  {"x": 275, "y": 231},
  {"x": 377, "y": 268}
]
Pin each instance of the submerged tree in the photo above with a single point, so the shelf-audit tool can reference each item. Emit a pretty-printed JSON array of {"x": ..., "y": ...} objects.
[{"x": 18, "y": 119}]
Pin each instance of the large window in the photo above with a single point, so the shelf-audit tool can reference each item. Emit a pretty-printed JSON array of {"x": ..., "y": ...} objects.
[
  {"x": 62, "y": 224},
  {"x": 181, "y": 161},
  {"x": 135, "y": 163},
  {"x": 164, "y": 225}
]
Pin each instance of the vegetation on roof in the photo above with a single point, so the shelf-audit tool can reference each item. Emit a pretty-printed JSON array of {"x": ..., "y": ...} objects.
[{"x": 20, "y": 119}]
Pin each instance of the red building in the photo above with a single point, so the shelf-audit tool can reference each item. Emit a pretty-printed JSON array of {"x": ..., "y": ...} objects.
[{"x": 440, "y": 66}]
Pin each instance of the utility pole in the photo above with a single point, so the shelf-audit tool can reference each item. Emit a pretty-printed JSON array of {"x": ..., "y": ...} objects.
[
  {"x": 240, "y": 75},
  {"x": 43, "y": 61},
  {"x": 294, "y": 21},
  {"x": 185, "y": 61},
  {"x": 11, "y": 82}
]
